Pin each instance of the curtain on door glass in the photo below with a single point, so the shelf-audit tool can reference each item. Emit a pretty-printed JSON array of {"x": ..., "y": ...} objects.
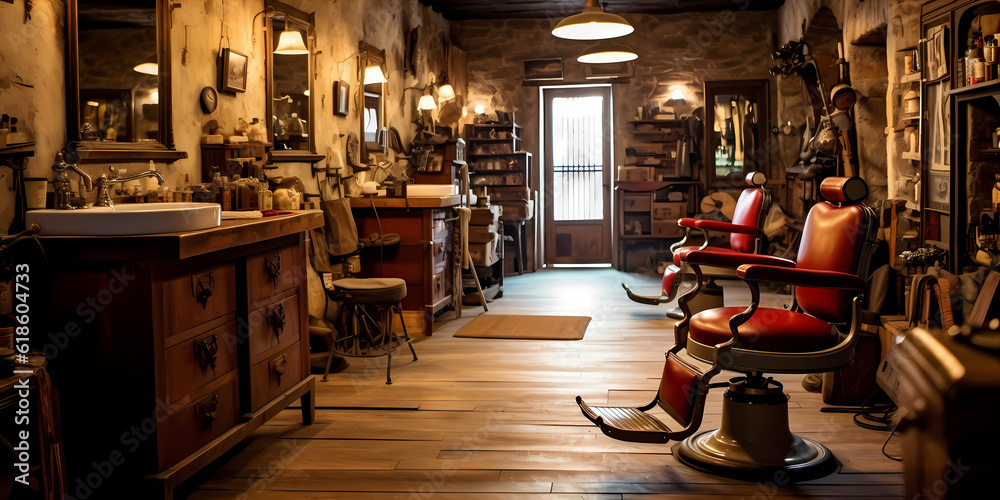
[{"x": 577, "y": 158}]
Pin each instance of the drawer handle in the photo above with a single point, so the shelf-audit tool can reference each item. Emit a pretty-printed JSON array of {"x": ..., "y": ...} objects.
[
  {"x": 278, "y": 367},
  {"x": 207, "y": 350},
  {"x": 272, "y": 265},
  {"x": 276, "y": 318},
  {"x": 202, "y": 287},
  {"x": 207, "y": 411}
]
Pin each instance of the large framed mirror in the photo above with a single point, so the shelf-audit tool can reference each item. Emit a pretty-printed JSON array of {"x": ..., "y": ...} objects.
[
  {"x": 736, "y": 125},
  {"x": 372, "y": 77},
  {"x": 118, "y": 81},
  {"x": 291, "y": 124}
]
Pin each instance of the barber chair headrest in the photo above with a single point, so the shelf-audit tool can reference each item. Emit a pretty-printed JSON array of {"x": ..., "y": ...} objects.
[
  {"x": 756, "y": 179},
  {"x": 848, "y": 190}
]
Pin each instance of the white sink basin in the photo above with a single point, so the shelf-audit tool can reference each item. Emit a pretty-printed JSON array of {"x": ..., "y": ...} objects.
[
  {"x": 127, "y": 219},
  {"x": 430, "y": 190}
]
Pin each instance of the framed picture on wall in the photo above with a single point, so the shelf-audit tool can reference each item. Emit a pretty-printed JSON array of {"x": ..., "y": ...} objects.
[
  {"x": 341, "y": 98},
  {"x": 608, "y": 70},
  {"x": 543, "y": 69},
  {"x": 232, "y": 71}
]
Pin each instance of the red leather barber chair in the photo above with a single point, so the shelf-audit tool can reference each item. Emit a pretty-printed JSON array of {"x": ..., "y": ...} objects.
[
  {"x": 817, "y": 335},
  {"x": 746, "y": 237}
]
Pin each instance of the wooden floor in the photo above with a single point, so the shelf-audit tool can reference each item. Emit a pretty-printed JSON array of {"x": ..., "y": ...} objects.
[{"x": 484, "y": 418}]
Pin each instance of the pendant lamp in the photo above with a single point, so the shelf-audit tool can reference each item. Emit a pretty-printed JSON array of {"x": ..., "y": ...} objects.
[
  {"x": 592, "y": 24},
  {"x": 607, "y": 52}
]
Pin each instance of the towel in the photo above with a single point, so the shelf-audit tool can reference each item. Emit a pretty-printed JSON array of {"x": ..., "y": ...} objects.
[{"x": 249, "y": 214}]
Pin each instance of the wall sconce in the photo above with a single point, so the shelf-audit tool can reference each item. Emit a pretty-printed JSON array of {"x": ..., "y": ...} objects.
[
  {"x": 374, "y": 74},
  {"x": 607, "y": 52},
  {"x": 290, "y": 43},
  {"x": 677, "y": 95},
  {"x": 426, "y": 101},
  {"x": 592, "y": 24}
]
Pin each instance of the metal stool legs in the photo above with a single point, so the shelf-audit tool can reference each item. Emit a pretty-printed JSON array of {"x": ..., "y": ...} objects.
[{"x": 364, "y": 334}]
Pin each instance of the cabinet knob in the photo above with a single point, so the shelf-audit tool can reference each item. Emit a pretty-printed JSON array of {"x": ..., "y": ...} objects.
[
  {"x": 278, "y": 367},
  {"x": 207, "y": 410},
  {"x": 276, "y": 318},
  {"x": 207, "y": 350},
  {"x": 272, "y": 265},
  {"x": 202, "y": 287}
]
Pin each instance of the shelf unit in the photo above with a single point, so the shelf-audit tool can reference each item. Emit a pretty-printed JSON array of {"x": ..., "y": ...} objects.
[
  {"x": 651, "y": 154},
  {"x": 496, "y": 162},
  {"x": 648, "y": 218}
]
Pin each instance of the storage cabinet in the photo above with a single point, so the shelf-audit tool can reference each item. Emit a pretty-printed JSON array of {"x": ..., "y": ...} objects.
[
  {"x": 423, "y": 257},
  {"x": 647, "y": 215},
  {"x": 651, "y": 154},
  {"x": 496, "y": 161},
  {"x": 190, "y": 342}
]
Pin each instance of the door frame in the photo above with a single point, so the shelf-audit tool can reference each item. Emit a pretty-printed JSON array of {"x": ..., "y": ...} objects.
[{"x": 545, "y": 132}]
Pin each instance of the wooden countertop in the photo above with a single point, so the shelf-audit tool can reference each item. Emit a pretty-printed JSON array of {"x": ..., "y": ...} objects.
[
  {"x": 412, "y": 202},
  {"x": 182, "y": 245}
]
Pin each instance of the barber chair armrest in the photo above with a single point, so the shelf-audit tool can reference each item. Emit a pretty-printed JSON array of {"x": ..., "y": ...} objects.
[
  {"x": 733, "y": 259},
  {"x": 803, "y": 277},
  {"x": 726, "y": 227}
]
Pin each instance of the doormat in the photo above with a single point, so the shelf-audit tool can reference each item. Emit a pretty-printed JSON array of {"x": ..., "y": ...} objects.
[{"x": 503, "y": 326}]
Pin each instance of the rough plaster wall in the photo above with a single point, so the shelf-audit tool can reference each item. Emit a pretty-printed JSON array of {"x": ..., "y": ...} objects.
[{"x": 32, "y": 53}]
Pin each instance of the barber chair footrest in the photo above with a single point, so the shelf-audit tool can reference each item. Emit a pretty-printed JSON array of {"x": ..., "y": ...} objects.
[{"x": 626, "y": 423}]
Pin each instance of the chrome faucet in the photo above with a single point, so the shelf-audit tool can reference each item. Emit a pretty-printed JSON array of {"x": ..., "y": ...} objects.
[
  {"x": 104, "y": 196},
  {"x": 64, "y": 193}
]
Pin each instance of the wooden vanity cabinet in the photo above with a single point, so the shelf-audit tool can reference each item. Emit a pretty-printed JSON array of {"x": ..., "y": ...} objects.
[{"x": 171, "y": 362}]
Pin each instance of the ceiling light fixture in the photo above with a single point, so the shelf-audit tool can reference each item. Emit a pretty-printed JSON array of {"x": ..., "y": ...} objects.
[
  {"x": 607, "y": 52},
  {"x": 592, "y": 24},
  {"x": 147, "y": 68}
]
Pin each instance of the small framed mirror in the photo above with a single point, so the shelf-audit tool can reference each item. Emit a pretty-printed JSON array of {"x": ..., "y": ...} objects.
[
  {"x": 372, "y": 78},
  {"x": 736, "y": 125},
  {"x": 118, "y": 109},
  {"x": 289, "y": 38}
]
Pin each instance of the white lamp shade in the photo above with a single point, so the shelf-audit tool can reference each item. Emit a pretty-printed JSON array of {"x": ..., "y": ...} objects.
[
  {"x": 607, "y": 52},
  {"x": 677, "y": 94},
  {"x": 290, "y": 43},
  {"x": 426, "y": 102},
  {"x": 147, "y": 68},
  {"x": 373, "y": 74},
  {"x": 446, "y": 92},
  {"x": 592, "y": 24},
  {"x": 480, "y": 109}
]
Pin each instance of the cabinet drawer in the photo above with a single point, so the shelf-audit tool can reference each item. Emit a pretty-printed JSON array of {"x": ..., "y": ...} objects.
[
  {"x": 197, "y": 361},
  {"x": 211, "y": 412},
  {"x": 274, "y": 325},
  {"x": 440, "y": 253},
  {"x": 440, "y": 287},
  {"x": 275, "y": 375},
  {"x": 273, "y": 271},
  {"x": 190, "y": 299}
]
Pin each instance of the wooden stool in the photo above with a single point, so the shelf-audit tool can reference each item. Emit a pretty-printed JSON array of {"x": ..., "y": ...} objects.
[{"x": 366, "y": 319}]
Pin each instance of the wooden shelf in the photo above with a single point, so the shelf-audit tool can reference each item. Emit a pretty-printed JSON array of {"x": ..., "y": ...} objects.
[
  {"x": 992, "y": 85},
  {"x": 912, "y": 77},
  {"x": 914, "y": 156}
]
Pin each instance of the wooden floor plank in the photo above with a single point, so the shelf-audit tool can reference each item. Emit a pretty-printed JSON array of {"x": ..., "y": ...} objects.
[{"x": 497, "y": 418}]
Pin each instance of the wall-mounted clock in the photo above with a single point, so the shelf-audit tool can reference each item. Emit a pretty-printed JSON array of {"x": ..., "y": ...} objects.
[{"x": 209, "y": 99}]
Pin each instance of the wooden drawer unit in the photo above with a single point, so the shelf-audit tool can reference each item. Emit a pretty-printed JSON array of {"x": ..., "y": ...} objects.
[
  {"x": 273, "y": 271},
  {"x": 274, "y": 327},
  {"x": 193, "y": 298},
  {"x": 199, "y": 359},
  {"x": 206, "y": 415},
  {"x": 275, "y": 375}
]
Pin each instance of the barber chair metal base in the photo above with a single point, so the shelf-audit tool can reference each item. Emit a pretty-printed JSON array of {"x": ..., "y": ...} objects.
[
  {"x": 754, "y": 441},
  {"x": 709, "y": 297}
]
